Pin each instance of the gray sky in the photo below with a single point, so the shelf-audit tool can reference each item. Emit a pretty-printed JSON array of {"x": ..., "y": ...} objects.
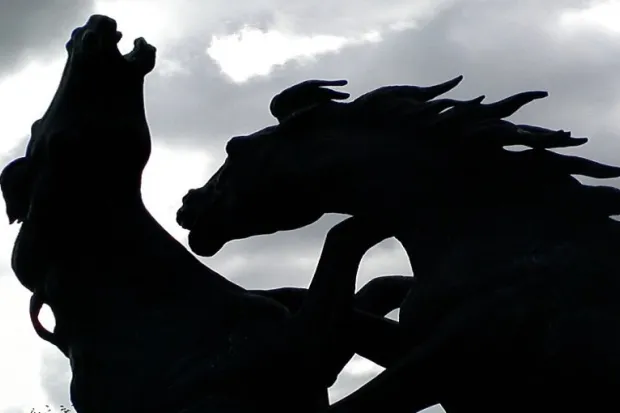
[{"x": 220, "y": 62}]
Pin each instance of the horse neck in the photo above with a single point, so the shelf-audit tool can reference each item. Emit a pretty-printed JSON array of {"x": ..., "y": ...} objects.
[
  {"x": 494, "y": 240},
  {"x": 159, "y": 255},
  {"x": 117, "y": 240},
  {"x": 491, "y": 233}
]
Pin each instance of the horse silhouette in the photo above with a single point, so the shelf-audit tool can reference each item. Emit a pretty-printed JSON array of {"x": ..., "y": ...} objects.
[{"x": 514, "y": 304}]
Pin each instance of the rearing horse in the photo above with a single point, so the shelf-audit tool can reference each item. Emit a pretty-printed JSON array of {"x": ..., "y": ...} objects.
[
  {"x": 146, "y": 326},
  {"x": 515, "y": 301}
]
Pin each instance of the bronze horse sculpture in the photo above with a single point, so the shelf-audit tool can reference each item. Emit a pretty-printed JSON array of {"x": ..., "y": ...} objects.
[
  {"x": 145, "y": 325},
  {"x": 514, "y": 305}
]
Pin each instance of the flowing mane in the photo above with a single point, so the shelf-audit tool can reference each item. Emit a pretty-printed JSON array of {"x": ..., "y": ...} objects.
[{"x": 478, "y": 132}]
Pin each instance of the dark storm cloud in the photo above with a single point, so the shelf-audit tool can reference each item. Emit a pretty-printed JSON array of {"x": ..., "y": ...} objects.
[
  {"x": 343, "y": 17},
  {"x": 35, "y": 28},
  {"x": 524, "y": 52}
]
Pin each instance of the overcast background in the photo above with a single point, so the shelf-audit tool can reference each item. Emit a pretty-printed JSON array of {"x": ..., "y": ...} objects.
[{"x": 219, "y": 64}]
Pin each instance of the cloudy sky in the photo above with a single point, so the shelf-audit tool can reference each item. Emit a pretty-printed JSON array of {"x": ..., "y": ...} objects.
[{"x": 220, "y": 62}]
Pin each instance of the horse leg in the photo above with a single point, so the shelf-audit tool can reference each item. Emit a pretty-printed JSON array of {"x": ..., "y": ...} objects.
[
  {"x": 440, "y": 368},
  {"x": 322, "y": 326},
  {"x": 377, "y": 297},
  {"x": 383, "y": 294},
  {"x": 368, "y": 333}
]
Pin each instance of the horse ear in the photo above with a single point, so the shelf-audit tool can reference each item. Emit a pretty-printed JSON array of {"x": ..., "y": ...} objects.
[
  {"x": 303, "y": 95},
  {"x": 16, "y": 185}
]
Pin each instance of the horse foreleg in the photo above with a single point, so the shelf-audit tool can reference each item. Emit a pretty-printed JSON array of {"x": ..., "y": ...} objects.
[
  {"x": 322, "y": 326},
  {"x": 383, "y": 294},
  {"x": 368, "y": 333},
  {"x": 378, "y": 297},
  {"x": 437, "y": 369}
]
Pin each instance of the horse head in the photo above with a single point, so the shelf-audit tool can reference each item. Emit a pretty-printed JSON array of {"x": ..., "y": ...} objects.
[
  {"x": 85, "y": 155},
  {"x": 94, "y": 133},
  {"x": 394, "y": 151}
]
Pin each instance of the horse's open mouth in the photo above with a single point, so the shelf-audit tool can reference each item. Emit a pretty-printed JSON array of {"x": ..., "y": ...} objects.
[
  {"x": 141, "y": 54},
  {"x": 98, "y": 39}
]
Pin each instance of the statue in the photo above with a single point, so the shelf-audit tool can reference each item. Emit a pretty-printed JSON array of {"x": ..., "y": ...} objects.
[
  {"x": 514, "y": 305},
  {"x": 147, "y": 327}
]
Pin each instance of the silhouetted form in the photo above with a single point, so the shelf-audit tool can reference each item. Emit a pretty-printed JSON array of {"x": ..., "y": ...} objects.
[
  {"x": 146, "y": 326},
  {"x": 515, "y": 301}
]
